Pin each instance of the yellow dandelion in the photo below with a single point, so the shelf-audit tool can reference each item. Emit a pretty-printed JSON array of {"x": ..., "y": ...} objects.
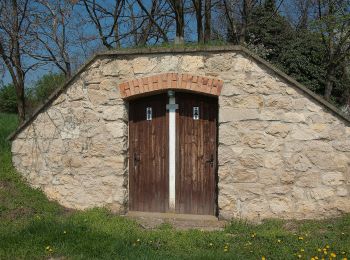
[
  {"x": 225, "y": 249},
  {"x": 50, "y": 250},
  {"x": 302, "y": 250},
  {"x": 64, "y": 232},
  {"x": 312, "y": 258},
  {"x": 316, "y": 257},
  {"x": 344, "y": 258},
  {"x": 333, "y": 255},
  {"x": 138, "y": 240},
  {"x": 48, "y": 247},
  {"x": 319, "y": 250},
  {"x": 327, "y": 246},
  {"x": 299, "y": 256},
  {"x": 210, "y": 244},
  {"x": 325, "y": 252},
  {"x": 279, "y": 241},
  {"x": 301, "y": 238},
  {"x": 342, "y": 233},
  {"x": 343, "y": 252},
  {"x": 263, "y": 258},
  {"x": 253, "y": 235}
]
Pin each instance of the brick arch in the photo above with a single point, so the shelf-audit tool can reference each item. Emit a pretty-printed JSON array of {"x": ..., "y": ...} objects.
[{"x": 165, "y": 81}]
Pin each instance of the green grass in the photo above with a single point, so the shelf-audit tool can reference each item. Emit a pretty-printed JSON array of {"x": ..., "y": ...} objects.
[{"x": 31, "y": 227}]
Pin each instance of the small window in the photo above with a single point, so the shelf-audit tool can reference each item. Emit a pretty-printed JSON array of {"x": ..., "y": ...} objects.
[
  {"x": 195, "y": 113},
  {"x": 149, "y": 113}
]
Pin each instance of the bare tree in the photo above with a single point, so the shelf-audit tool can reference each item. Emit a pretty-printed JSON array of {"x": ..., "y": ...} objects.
[
  {"x": 239, "y": 17},
  {"x": 14, "y": 25},
  {"x": 178, "y": 9},
  {"x": 334, "y": 26},
  {"x": 152, "y": 21},
  {"x": 100, "y": 15},
  {"x": 53, "y": 34},
  {"x": 207, "y": 23},
  {"x": 197, "y": 5},
  {"x": 299, "y": 13}
]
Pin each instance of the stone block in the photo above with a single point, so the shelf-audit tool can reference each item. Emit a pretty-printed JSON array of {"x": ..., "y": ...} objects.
[
  {"x": 228, "y": 114},
  {"x": 251, "y": 160},
  {"x": 333, "y": 178}
]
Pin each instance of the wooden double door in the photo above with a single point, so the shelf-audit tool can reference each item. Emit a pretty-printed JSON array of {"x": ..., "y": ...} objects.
[{"x": 195, "y": 154}]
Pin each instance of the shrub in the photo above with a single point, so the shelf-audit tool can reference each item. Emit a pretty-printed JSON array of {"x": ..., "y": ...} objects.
[{"x": 8, "y": 100}]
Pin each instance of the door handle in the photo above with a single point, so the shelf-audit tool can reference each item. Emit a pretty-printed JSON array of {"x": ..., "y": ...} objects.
[
  {"x": 136, "y": 158},
  {"x": 211, "y": 160}
]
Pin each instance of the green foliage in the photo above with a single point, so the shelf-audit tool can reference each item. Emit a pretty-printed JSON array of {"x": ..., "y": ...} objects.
[
  {"x": 303, "y": 59},
  {"x": 299, "y": 53},
  {"x": 45, "y": 86},
  {"x": 8, "y": 100},
  {"x": 270, "y": 30},
  {"x": 8, "y": 122}
]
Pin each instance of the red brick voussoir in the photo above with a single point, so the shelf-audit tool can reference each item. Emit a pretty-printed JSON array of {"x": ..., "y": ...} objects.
[{"x": 166, "y": 81}]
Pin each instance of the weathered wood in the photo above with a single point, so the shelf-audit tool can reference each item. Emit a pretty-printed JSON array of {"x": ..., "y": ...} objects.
[
  {"x": 196, "y": 154},
  {"x": 148, "y": 160}
]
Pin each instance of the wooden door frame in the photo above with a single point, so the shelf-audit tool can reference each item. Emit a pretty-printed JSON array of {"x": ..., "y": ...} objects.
[{"x": 127, "y": 105}]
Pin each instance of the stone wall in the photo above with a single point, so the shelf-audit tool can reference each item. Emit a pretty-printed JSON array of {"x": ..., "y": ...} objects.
[{"x": 280, "y": 154}]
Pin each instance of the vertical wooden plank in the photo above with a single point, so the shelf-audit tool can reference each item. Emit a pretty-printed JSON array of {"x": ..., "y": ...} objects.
[
  {"x": 148, "y": 185},
  {"x": 196, "y": 187}
]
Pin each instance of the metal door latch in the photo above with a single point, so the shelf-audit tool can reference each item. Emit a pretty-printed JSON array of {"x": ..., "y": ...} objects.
[{"x": 211, "y": 160}]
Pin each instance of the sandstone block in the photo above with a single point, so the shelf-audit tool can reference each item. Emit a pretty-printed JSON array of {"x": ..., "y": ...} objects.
[
  {"x": 268, "y": 176},
  {"x": 117, "y": 68},
  {"x": 321, "y": 192},
  {"x": 293, "y": 117},
  {"x": 298, "y": 162},
  {"x": 251, "y": 160},
  {"x": 97, "y": 97},
  {"x": 272, "y": 160},
  {"x": 230, "y": 90},
  {"x": 299, "y": 133},
  {"x": 143, "y": 65},
  {"x": 281, "y": 206},
  {"x": 228, "y": 135},
  {"x": 333, "y": 178},
  {"x": 279, "y": 130},
  {"x": 114, "y": 113},
  {"x": 243, "y": 175},
  {"x": 278, "y": 102},
  {"x": 256, "y": 140},
  {"x": 343, "y": 145},
  {"x": 227, "y": 114},
  {"x": 192, "y": 63}
]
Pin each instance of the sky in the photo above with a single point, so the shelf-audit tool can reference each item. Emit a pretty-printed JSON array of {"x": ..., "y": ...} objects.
[{"x": 78, "y": 56}]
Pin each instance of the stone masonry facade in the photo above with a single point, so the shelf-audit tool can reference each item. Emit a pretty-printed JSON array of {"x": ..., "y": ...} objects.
[{"x": 281, "y": 154}]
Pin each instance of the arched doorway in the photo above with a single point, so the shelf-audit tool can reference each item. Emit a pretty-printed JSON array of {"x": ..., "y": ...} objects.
[{"x": 173, "y": 151}]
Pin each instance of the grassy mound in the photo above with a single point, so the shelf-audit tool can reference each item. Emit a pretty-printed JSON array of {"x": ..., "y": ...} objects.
[{"x": 32, "y": 227}]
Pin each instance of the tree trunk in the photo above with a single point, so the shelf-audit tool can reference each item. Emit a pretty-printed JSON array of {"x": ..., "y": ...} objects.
[
  {"x": 198, "y": 9},
  {"x": 20, "y": 101},
  {"x": 177, "y": 6},
  {"x": 207, "y": 23},
  {"x": 329, "y": 83},
  {"x": 116, "y": 35},
  {"x": 19, "y": 82},
  {"x": 247, "y": 8}
]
